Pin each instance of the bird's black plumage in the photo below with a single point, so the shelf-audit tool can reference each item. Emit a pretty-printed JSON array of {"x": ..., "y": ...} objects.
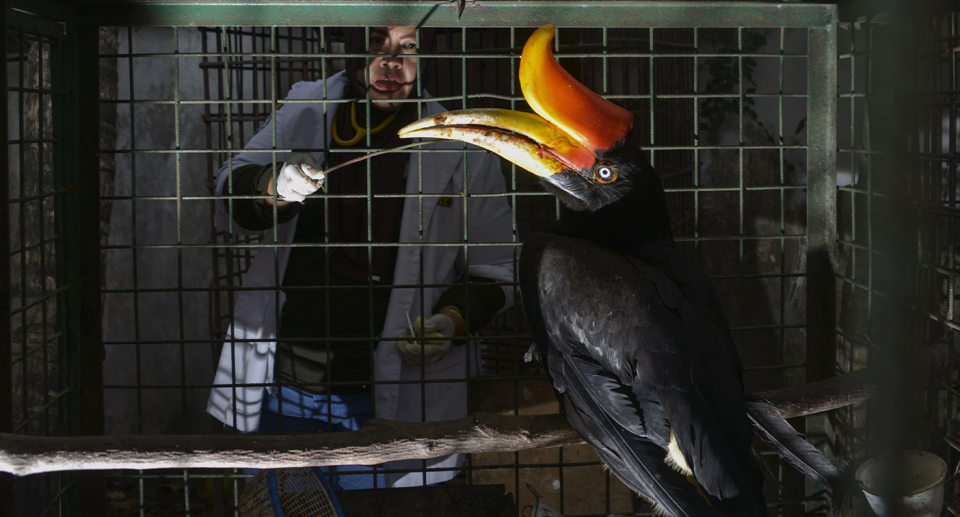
[{"x": 636, "y": 344}]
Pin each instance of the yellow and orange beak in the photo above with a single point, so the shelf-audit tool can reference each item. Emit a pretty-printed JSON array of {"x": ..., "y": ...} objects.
[{"x": 570, "y": 125}]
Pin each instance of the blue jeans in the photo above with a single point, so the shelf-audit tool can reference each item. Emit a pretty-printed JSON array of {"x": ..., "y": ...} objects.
[{"x": 304, "y": 412}]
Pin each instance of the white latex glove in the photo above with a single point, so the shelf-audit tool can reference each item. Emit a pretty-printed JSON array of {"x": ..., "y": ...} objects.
[
  {"x": 299, "y": 177},
  {"x": 438, "y": 327}
]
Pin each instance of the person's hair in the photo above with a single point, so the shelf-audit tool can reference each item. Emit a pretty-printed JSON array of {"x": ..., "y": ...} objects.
[{"x": 355, "y": 43}]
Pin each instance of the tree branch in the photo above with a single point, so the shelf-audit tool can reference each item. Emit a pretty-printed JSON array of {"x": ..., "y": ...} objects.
[{"x": 382, "y": 440}]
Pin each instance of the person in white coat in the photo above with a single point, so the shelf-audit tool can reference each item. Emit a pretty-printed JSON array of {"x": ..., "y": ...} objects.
[{"x": 311, "y": 322}]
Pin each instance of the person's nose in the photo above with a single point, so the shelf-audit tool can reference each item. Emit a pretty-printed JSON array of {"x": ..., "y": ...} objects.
[{"x": 392, "y": 60}]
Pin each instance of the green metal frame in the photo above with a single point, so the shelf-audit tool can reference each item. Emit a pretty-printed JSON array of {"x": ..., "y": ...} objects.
[{"x": 533, "y": 13}]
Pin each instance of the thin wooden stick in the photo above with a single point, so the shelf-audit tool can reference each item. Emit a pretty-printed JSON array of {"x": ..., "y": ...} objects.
[
  {"x": 378, "y": 153},
  {"x": 382, "y": 440}
]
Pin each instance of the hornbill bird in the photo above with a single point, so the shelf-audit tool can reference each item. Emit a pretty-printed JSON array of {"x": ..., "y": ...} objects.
[{"x": 631, "y": 331}]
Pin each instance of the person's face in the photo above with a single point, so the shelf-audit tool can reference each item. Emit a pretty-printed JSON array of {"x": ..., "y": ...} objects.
[{"x": 392, "y": 77}]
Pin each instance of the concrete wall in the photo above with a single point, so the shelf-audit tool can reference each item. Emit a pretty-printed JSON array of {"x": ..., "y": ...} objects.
[{"x": 158, "y": 319}]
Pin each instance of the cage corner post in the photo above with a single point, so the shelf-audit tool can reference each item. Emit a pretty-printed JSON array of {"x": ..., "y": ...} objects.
[
  {"x": 84, "y": 351},
  {"x": 6, "y": 345},
  {"x": 821, "y": 218}
]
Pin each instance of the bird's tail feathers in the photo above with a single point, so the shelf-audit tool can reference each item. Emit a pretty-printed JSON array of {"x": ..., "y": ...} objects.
[
  {"x": 658, "y": 482},
  {"x": 532, "y": 353},
  {"x": 789, "y": 444}
]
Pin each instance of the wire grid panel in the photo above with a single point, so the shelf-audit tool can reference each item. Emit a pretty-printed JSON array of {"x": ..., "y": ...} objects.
[
  {"x": 864, "y": 181},
  {"x": 36, "y": 286},
  {"x": 855, "y": 250},
  {"x": 740, "y": 209},
  {"x": 934, "y": 162},
  {"x": 724, "y": 112}
]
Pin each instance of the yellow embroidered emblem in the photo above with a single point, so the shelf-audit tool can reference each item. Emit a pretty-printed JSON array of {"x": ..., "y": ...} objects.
[{"x": 445, "y": 201}]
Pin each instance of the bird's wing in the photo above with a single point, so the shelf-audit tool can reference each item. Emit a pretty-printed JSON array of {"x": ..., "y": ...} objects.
[
  {"x": 635, "y": 458},
  {"x": 626, "y": 343}
]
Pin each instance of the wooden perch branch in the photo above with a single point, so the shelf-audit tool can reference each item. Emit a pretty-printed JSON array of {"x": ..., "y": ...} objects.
[{"x": 381, "y": 440}]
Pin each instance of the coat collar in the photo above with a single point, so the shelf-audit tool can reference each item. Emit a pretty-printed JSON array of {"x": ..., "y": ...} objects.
[{"x": 438, "y": 168}]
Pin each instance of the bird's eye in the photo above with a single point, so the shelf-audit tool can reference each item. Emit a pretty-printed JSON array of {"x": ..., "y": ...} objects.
[{"x": 605, "y": 174}]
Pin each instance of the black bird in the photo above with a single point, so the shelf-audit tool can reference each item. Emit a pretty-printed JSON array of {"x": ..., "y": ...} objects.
[{"x": 631, "y": 331}]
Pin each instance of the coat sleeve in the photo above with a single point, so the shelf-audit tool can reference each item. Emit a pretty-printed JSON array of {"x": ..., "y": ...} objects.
[
  {"x": 262, "y": 139},
  {"x": 489, "y": 219},
  {"x": 298, "y": 126}
]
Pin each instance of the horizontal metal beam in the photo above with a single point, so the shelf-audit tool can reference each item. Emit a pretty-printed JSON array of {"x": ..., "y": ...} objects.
[
  {"x": 54, "y": 10},
  {"x": 34, "y": 24},
  {"x": 527, "y": 13}
]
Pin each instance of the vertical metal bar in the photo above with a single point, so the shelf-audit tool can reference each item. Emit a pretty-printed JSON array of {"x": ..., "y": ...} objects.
[
  {"x": 696, "y": 142},
  {"x": 6, "y": 336},
  {"x": 854, "y": 162},
  {"x": 238, "y": 38},
  {"x": 516, "y": 253},
  {"x": 821, "y": 213},
  {"x": 133, "y": 236},
  {"x": 186, "y": 486},
  {"x": 41, "y": 220},
  {"x": 325, "y": 46},
  {"x": 466, "y": 241},
  {"x": 821, "y": 202},
  {"x": 179, "y": 193},
  {"x": 783, "y": 251},
  {"x": 740, "y": 193},
  {"x": 868, "y": 147},
  {"x": 951, "y": 412},
  {"x": 82, "y": 243},
  {"x": 224, "y": 47},
  {"x": 214, "y": 309},
  {"x": 420, "y": 234},
  {"x": 653, "y": 96},
  {"x": 556, "y": 201},
  {"x": 255, "y": 74},
  {"x": 275, "y": 204},
  {"x": 61, "y": 119},
  {"x": 783, "y": 215},
  {"x": 950, "y": 264},
  {"x": 21, "y": 219}
]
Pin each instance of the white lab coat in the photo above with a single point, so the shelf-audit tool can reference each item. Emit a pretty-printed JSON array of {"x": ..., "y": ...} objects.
[{"x": 247, "y": 360}]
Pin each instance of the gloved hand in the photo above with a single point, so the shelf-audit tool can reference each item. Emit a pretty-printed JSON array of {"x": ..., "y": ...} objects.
[
  {"x": 299, "y": 177},
  {"x": 438, "y": 329}
]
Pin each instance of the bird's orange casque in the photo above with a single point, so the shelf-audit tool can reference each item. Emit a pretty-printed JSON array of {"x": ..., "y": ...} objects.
[
  {"x": 571, "y": 122},
  {"x": 555, "y": 95}
]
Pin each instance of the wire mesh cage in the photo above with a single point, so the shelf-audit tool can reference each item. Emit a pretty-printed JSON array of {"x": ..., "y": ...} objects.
[
  {"x": 868, "y": 176},
  {"x": 477, "y": 75},
  {"x": 758, "y": 121},
  {"x": 37, "y": 376}
]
